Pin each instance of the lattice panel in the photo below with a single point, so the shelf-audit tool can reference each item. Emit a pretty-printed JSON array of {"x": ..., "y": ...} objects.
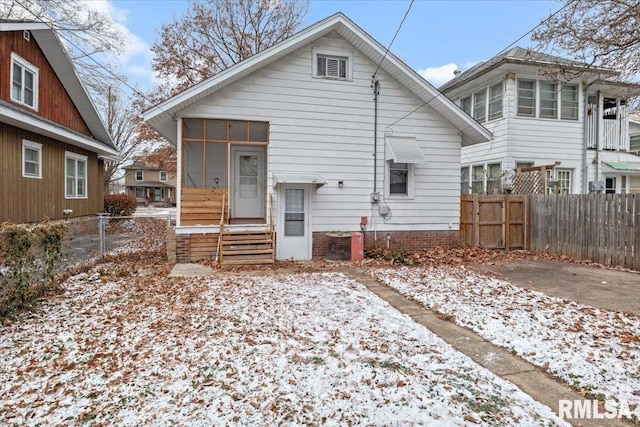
[{"x": 531, "y": 182}]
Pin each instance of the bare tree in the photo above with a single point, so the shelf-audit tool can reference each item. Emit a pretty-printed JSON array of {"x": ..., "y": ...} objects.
[
  {"x": 215, "y": 34},
  {"x": 603, "y": 33},
  {"x": 91, "y": 38}
]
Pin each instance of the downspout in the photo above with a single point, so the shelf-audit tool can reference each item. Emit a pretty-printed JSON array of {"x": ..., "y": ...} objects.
[
  {"x": 599, "y": 118},
  {"x": 585, "y": 166},
  {"x": 375, "y": 84}
]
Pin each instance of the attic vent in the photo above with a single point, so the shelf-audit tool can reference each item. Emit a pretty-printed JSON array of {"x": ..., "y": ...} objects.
[{"x": 27, "y": 35}]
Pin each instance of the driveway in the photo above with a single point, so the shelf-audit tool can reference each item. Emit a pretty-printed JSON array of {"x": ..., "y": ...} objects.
[{"x": 598, "y": 287}]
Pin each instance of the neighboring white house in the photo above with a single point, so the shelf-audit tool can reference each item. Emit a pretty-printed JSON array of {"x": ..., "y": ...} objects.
[
  {"x": 296, "y": 139},
  {"x": 580, "y": 124}
]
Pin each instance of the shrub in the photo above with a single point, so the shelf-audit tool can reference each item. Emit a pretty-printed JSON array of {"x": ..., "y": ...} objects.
[
  {"x": 28, "y": 257},
  {"x": 119, "y": 204}
]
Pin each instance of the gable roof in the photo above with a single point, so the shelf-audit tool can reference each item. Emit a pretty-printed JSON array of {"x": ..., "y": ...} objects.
[
  {"x": 161, "y": 117},
  {"x": 517, "y": 55},
  {"x": 57, "y": 56}
]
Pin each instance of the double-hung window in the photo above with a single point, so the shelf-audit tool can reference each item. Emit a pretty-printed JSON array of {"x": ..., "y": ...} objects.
[
  {"x": 484, "y": 104},
  {"x": 75, "y": 176},
  {"x": 398, "y": 178},
  {"x": 31, "y": 159},
  {"x": 480, "y": 105},
  {"x": 24, "y": 82},
  {"x": 548, "y": 100},
  {"x": 163, "y": 176},
  {"x": 569, "y": 102},
  {"x": 139, "y": 176}
]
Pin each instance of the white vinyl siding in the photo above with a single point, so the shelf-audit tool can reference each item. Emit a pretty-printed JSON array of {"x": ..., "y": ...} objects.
[
  {"x": 318, "y": 126},
  {"x": 75, "y": 176},
  {"x": 31, "y": 159},
  {"x": 24, "y": 82}
]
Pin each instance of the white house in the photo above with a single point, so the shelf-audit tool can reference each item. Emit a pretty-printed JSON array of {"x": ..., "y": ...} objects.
[
  {"x": 580, "y": 123},
  {"x": 323, "y": 132}
]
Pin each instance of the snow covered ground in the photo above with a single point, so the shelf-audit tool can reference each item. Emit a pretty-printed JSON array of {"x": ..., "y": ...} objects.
[
  {"x": 133, "y": 347},
  {"x": 594, "y": 350}
]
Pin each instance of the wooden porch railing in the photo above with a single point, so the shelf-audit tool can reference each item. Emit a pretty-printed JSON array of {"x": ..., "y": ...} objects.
[{"x": 202, "y": 206}]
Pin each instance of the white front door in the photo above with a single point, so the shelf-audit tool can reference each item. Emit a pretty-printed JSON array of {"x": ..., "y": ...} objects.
[
  {"x": 294, "y": 227},
  {"x": 248, "y": 197}
]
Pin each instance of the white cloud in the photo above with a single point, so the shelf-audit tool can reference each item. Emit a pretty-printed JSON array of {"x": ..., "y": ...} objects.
[
  {"x": 137, "y": 55},
  {"x": 439, "y": 75}
]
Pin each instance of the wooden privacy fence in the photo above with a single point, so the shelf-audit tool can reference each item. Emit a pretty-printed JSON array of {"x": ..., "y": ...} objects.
[
  {"x": 603, "y": 228},
  {"x": 496, "y": 222}
]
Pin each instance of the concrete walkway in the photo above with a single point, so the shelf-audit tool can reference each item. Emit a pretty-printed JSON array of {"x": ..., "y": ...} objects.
[{"x": 528, "y": 377}]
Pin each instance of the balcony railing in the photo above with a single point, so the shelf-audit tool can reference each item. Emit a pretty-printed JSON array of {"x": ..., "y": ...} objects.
[{"x": 615, "y": 132}]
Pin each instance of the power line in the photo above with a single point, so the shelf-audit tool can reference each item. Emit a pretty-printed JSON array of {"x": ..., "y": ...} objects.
[
  {"x": 394, "y": 37},
  {"x": 503, "y": 50}
]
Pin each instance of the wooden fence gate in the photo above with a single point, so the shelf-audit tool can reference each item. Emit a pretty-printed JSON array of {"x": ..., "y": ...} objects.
[{"x": 495, "y": 222}]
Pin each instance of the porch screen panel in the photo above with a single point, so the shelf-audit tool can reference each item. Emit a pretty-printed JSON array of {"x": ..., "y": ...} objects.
[
  {"x": 294, "y": 212},
  {"x": 216, "y": 165},
  {"x": 193, "y": 173}
]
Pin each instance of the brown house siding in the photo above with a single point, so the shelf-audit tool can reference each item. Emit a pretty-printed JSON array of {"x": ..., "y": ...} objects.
[
  {"x": 31, "y": 199},
  {"x": 53, "y": 101}
]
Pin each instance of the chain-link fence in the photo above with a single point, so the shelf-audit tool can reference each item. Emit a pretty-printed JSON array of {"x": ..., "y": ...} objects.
[{"x": 90, "y": 239}]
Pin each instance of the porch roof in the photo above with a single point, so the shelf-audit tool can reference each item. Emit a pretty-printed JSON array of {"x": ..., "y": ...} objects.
[
  {"x": 298, "y": 178},
  {"x": 161, "y": 117},
  {"x": 624, "y": 166}
]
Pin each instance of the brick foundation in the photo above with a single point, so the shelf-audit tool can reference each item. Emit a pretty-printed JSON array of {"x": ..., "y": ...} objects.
[
  {"x": 183, "y": 248},
  {"x": 411, "y": 241}
]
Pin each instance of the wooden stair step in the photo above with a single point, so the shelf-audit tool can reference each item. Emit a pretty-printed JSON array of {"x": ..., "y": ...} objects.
[
  {"x": 246, "y": 242},
  {"x": 243, "y": 251},
  {"x": 247, "y": 262}
]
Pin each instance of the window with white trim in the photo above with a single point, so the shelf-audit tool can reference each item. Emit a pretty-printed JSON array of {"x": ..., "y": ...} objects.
[
  {"x": 399, "y": 178},
  {"x": 484, "y": 104},
  {"x": 139, "y": 192},
  {"x": 332, "y": 64},
  {"x": 31, "y": 159},
  {"x": 24, "y": 82},
  {"x": 464, "y": 180},
  {"x": 139, "y": 176},
  {"x": 485, "y": 179},
  {"x": 75, "y": 173},
  {"x": 163, "y": 175},
  {"x": 494, "y": 175},
  {"x": 548, "y": 100},
  {"x": 559, "y": 181},
  {"x": 477, "y": 183},
  {"x": 523, "y": 164}
]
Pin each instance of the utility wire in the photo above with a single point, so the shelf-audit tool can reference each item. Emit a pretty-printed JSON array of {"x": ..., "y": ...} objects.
[
  {"x": 394, "y": 37},
  {"x": 503, "y": 50}
]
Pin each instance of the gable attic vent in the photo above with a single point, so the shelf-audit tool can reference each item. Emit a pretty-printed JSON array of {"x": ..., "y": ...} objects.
[{"x": 27, "y": 35}]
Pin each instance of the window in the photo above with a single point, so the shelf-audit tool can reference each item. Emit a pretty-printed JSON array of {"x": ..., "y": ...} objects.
[
  {"x": 31, "y": 159},
  {"x": 464, "y": 180},
  {"x": 465, "y": 104},
  {"x": 527, "y": 98},
  {"x": 332, "y": 64},
  {"x": 520, "y": 165},
  {"x": 610, "y": 185},
  {"x": 477, "y": 184},
  {"x": 398, "y": 178},
  {"x": 139, "y": 176},
  {"x": 76, "y": 176},
  {"x": 495, "y": 101},
  {"x": 548, "y": 100},
  {"x": 480, "y": 105},
  {"x": 24, "y": 82},
  {"x": 163, "y": 176},
  {"x": 139, "y": 192},
  {"x": 494, "y": 172},
  {"x": 487, "y": 99},
  {"x": 560, "y": 181},
  {"x": 569, "y": 102}
]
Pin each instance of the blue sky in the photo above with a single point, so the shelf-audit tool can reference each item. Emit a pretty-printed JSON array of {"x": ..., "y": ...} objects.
[{"x": 436, "y": 38}]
